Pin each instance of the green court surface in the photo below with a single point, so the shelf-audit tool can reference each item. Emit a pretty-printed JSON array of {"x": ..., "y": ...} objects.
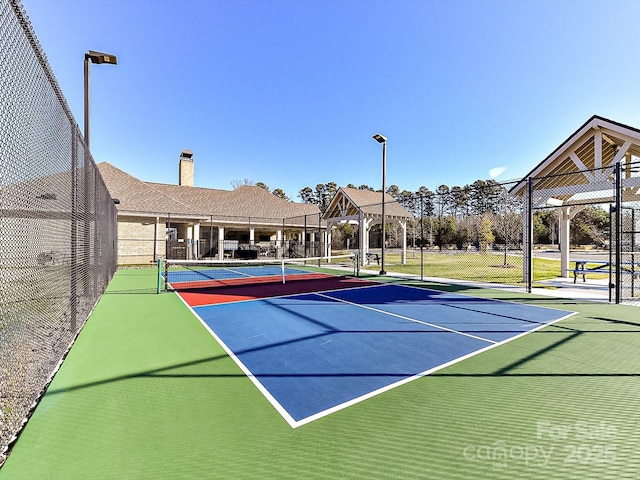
[{"x": 146, "y": 392}]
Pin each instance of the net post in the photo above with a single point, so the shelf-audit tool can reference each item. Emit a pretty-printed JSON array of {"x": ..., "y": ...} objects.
[
  {"x": 356, "y": 265},
  {"x": 166, "y": 276},
  {"x": 159, "y": 279}
]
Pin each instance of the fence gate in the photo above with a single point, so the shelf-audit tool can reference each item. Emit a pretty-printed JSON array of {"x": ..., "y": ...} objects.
[
  {"x": 628, "y": 252},
  {"x": 612, "y": 189}
]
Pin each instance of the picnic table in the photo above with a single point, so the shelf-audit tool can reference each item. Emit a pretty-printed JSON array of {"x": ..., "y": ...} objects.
[
  {"x": 601, "y": 266},
  {"x": 594, "y": 267},
  {"x": 373, "y": 256}
]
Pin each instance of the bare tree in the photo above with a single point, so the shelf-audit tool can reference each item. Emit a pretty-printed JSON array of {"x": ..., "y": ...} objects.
[{"x": 239, "y": 183}]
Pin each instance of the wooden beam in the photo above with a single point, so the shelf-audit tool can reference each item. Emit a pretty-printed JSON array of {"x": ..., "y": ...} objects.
[
  {"x": 597, "y": 146},
  {"x": 581, "y": 166}
]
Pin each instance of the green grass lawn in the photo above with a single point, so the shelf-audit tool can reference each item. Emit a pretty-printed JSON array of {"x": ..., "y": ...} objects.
[{"x": 481, "y": 267}]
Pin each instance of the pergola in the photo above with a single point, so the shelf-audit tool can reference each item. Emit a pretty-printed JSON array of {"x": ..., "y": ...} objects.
[
  {"x": 581, "y": 172},
  {"x": 364, "y": 208}
]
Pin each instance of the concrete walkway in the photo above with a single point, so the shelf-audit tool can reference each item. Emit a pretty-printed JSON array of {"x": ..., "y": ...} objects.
[{"x": 592, "y": 290}]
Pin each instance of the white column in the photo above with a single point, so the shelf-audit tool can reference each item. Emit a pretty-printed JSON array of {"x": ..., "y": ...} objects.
[
  {"x": 564, "y": 222},
  {"x": 220, "y": 243},
  {"x": 279, "y": 244},
  {"x": 403, "y": 225},
  {"x": 196, "y": 240},
  {"x": 252, "y": 236},
  {"x": 364, "y": 248},
  {"x": 365, "y": 227},
  {"x": 328, "y": 239},
  {"x": 189, "y": 242},
  {"x": 156, "y": 239}
]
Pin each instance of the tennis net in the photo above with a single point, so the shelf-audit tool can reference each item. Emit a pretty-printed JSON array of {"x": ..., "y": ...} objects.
[{"x": 195, "y": 274}]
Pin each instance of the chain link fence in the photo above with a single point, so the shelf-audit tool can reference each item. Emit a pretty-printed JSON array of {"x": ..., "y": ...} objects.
[
  {"x": 592, "y": 214},
  {"x": 472, "y": 234},
  {"x": 143, "y": 241},
  {"x": 57, "y": 223},
  {"x": 486, "y": 233},
  {"x": 483, "y": 233}
]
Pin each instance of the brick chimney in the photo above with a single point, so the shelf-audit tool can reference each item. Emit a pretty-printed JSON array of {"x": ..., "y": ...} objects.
[{"x": 185, "y": 168}]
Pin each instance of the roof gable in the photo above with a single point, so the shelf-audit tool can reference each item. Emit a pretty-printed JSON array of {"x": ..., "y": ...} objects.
[
  {"x": 580, "y": 169},
  {"x": 348, "y": 202},
  {"x": 597, "y": 143}
]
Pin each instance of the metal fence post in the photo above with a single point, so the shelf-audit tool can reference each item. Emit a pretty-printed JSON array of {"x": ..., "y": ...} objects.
[
  {"x": 529, "y": 239},
  {"x": 618, "y": 228},
  {"x": 421, "y": 239},
  {"x": 73, "y": 300}
]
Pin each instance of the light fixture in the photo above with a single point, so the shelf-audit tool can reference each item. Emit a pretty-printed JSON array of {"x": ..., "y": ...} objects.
[
  {"x": 99, "y": 57},
  {"x": 380, "y": 138}
]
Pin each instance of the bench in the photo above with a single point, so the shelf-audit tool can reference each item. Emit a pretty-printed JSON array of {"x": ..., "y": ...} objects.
[{"x": 373, "y": 256}]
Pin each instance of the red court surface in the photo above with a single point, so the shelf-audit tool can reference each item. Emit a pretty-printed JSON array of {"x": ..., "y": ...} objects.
[{"x": 236, "y": 290}]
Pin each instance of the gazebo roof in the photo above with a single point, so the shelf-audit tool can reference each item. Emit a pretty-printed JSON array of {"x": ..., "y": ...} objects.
[
  {"x": 581, "y": 169},
  {"x": 349, "y": 202}
]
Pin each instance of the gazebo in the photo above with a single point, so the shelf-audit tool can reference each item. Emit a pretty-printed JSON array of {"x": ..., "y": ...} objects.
[
  {"x": 364, "y": 208},
  {"x": 582, "y": 171}
]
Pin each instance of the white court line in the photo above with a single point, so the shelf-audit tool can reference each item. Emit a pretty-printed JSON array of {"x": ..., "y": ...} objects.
[
  {"x": 261, "y": 388},
  {"x": 238, "y": 272},
  {"x": 415, "y": 320},
  {"x": 425, "y": 373}
]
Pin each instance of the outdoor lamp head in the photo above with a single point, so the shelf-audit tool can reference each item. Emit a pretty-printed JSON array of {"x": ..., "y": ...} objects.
[
  {"x": 99, "y": 57},
  {"x": 379, "y": 138}
]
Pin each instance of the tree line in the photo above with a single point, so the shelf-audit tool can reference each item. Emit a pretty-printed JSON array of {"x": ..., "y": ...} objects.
[{"x": 481, "y": 215}]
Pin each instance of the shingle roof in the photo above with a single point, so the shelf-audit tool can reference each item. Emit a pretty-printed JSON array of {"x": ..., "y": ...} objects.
[{"x": 138, "y": 198}]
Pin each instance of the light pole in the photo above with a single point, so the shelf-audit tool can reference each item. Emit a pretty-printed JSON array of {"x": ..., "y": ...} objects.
[
  {"x": 92, "y": 57},
  {"x": 383, "y": 140}
]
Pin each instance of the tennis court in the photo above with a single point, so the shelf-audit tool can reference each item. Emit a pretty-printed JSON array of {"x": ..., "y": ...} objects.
[
  {"x": 359, "y": 378},
  {"x": 312, "y": 354}
]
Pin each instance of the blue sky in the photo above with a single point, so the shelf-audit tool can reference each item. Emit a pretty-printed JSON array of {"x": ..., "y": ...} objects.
[{"x": 289, "y": 92}]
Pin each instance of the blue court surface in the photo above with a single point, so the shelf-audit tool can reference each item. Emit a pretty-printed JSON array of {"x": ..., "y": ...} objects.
[{"x": 313, "y": 354}]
